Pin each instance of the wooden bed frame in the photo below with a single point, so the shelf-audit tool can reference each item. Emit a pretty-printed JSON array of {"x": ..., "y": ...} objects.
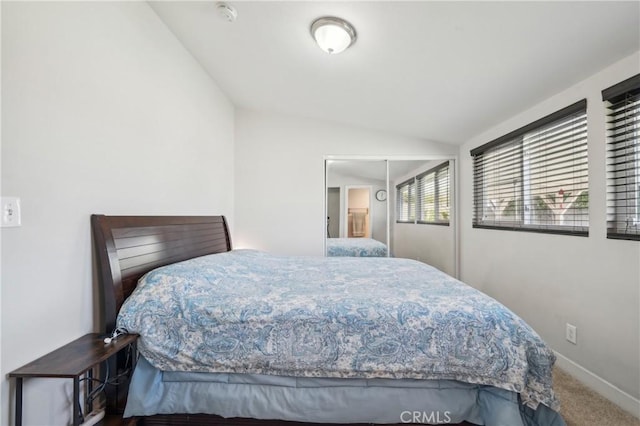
[{"x": 127, "y": 247}]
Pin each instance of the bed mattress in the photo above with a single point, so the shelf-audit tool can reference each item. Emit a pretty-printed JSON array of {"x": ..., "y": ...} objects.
[
  {"x": 246, "y": 311},
  {"x": 358, "y": 247}
]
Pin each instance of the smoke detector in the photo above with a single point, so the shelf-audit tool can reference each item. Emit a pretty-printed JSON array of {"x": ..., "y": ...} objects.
[{"x": 226, "y": 12}]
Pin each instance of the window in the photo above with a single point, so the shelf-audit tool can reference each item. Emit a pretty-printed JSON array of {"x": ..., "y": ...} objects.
[
  {"x": 535, "y": 178},
  {"x": 433, "y": 195},
  {"x": 623, "y": 159},
  {"x": 406, "y": 201}
]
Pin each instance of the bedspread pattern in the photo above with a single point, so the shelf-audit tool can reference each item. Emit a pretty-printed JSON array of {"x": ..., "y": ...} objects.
[
  {"x": 249, "y": 312},
  {"x": 359, "y": 247}
]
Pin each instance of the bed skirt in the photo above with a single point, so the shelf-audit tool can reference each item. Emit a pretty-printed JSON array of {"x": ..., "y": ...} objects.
[{"x": 318, "y": 400}]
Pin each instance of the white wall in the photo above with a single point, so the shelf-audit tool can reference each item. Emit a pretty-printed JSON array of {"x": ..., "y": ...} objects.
[
  {"x": 432, "y": 244},
  {"x": 103, "y": 111},
  {"x": 280, "y": 176},
  {"x": 550, "y": 280}
]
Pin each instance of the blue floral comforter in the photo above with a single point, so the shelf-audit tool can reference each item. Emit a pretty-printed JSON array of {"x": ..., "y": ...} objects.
[
  {"x": 359, "y": 247},
  {"x": 246, "y": 311}
]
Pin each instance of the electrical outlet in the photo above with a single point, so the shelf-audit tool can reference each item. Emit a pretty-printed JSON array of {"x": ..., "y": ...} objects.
[
  {"x": 572, "y": 334},
  {"x": 10, "y": 212}
]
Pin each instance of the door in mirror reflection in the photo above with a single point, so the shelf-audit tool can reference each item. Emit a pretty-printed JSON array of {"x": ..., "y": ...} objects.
[
  {"x": 358, "y": 219},
  {"x": 333, "y": 212}
]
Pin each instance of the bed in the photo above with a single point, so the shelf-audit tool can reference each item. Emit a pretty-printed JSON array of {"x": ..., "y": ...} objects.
[
  {"x": 275, "y": 340},
  {"x": 358, "y": 247}
]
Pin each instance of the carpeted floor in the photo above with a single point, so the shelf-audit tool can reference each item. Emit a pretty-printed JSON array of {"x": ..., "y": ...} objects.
[{"x": 580, "y": 406}]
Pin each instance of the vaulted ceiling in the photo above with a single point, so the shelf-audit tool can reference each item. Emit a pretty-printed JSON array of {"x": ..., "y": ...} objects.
[{"x": 441, "y": 71}]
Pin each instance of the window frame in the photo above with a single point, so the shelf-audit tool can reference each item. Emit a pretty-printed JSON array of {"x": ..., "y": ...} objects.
[
  {"x": 435, "y": 171},
  {"x": 512, "y": 149},
  {"x": 410, "y": 184},
  {"x": 617, "y": 100}
]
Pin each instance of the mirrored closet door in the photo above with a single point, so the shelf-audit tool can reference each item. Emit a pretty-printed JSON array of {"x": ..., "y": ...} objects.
[{"x": 392, "y": 207}]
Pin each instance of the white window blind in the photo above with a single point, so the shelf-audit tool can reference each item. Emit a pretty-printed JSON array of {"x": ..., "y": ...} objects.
[
  {"x": 623, "y": 159},
  {"x": 406, "y": 201},
  {"x": 433, "y": 195},
  {"x": 535, "y": 178}
]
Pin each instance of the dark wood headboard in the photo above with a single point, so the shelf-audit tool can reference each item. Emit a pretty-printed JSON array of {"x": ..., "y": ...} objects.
[{"x": 127, "y": 247}]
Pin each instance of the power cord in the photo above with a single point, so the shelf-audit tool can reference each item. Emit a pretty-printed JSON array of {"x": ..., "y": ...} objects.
[
  {"x": 107, "y": 381},
  {"x": 116, "y": 333}
]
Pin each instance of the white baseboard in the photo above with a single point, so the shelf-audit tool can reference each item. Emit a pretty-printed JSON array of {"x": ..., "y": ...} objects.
[{"x": 598, "y": 384}]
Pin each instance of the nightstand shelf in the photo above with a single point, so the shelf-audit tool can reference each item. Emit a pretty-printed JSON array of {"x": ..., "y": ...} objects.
[{"x": 71, "y": 361}]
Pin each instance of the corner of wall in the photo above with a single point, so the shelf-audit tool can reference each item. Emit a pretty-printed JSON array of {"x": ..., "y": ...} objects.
[{"x": 599, "y": 385}]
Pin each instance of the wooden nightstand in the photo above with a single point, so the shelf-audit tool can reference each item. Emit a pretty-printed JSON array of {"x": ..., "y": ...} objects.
[{"x": 73, "y": 360}]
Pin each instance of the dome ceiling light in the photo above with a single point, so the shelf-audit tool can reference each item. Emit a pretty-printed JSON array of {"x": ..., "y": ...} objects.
[{"x": 332, "y": 34}]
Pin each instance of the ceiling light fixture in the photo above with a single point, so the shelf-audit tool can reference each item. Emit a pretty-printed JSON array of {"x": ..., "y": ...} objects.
[{"x": 333, "y": 35}]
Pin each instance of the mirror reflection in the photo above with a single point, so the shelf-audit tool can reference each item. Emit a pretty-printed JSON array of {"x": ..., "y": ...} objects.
[
  {"x": 400, "y": 208},
  {"x": 422, "y": 226},
  {"x": 356, "y": 202}
]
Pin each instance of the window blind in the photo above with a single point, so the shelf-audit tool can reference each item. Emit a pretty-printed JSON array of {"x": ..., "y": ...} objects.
[
  {"x": 406, "y": 201},
  {"x": 433, "y": 195},
  {"x": 622, "y": 102},
  {"x": 535, "y": 178}
]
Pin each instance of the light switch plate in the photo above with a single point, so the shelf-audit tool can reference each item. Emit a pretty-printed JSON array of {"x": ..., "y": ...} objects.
[{"x": 10, "y": 212}]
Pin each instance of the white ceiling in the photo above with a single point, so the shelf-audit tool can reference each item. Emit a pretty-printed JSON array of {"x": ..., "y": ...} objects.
[{"x": 441, "y": 71}]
